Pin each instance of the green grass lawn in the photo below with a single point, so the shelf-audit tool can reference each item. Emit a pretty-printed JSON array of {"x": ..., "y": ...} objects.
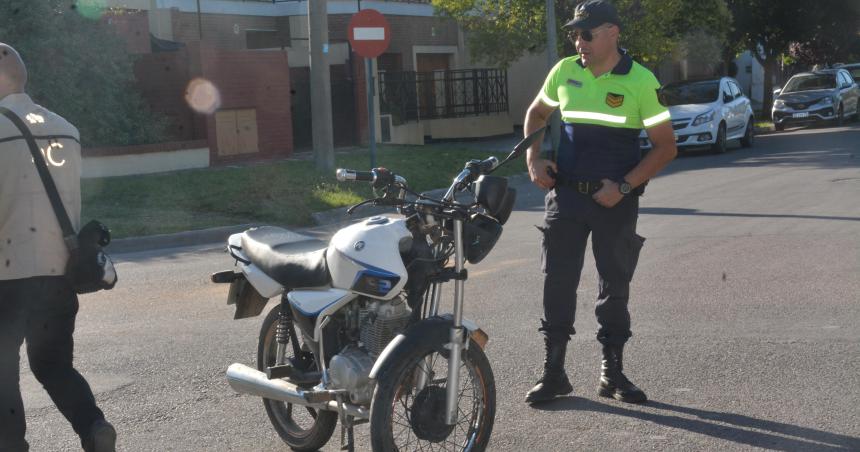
[{"x": 281, "y": 193}]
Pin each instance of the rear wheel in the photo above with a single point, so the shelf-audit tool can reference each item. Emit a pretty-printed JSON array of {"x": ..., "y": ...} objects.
[
  {"x": 749, "y": 136},
  {"x": 406, "y": 417},
  {"x": 301, "y": 427},
  {"x": 719, "y": 146}
]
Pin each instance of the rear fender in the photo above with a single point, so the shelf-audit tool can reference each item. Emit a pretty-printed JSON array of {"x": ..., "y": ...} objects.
[
  {"x": 249, "y": 302},
  {"x": 434, "y": 331}
]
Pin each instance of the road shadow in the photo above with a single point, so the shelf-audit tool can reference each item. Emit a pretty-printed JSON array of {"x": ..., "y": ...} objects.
[
  {"x": 737, "y": 428},
  {"x": 696, "y": 212}
]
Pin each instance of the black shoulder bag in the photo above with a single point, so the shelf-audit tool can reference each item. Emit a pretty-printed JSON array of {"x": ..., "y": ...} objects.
[{"x": 89, "y": 268}]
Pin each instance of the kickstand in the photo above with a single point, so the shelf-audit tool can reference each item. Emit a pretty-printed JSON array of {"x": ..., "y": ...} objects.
[{"x": 347, "y": 438}]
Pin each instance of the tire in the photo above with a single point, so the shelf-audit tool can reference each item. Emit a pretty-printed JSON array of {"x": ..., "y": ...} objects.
[
  {"x": 302, "y": 428},
  {"x": 748, "y": 139},
  {"x": 779, "y": 127},
  {"x": 476, "y": 378},
  {"x": 719, "y": 146}
]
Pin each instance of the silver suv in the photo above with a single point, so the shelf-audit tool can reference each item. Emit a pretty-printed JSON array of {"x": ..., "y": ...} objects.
[{"x": 825, "y": 95}]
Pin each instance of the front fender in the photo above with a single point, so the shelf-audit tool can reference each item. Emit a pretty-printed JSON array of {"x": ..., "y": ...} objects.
[{"x": 434, "y": 331}]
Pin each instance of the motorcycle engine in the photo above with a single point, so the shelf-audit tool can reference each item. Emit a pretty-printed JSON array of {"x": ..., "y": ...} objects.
[{"x": 379, "y": 321}]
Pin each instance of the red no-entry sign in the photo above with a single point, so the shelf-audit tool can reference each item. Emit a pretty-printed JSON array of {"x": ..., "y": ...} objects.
[{"x": 369, "y": 33}]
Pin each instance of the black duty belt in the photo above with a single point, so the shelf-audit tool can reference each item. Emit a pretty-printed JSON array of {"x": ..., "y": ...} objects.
[{"x": 582, "y": 186}]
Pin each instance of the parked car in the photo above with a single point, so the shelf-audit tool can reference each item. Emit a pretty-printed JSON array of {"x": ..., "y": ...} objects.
[
  {"x": 825, "y": 95},
  {"x": 707, "y": 112},
  {"x": 853, "y": 69}
]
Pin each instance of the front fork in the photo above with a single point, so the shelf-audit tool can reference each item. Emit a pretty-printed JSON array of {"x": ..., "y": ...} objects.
[{"x": 457, "y": 334}]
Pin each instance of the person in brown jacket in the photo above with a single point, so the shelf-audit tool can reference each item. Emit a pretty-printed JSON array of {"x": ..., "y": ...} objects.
[{"x": 37, "y": 304}]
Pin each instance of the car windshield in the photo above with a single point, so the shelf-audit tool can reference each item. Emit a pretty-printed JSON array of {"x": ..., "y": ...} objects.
[
  {"x": 690, "y": 93},
  {"x": 809, "y": 83},
  {"x": 855, "y": 72}
]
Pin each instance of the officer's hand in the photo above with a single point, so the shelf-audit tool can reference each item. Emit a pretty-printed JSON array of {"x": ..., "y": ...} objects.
[
  {"x": 539, "y": 174},
  {"x": 608, "y": 195}
]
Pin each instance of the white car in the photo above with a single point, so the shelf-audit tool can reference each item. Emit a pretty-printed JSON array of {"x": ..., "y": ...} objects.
[{"x": 707, "y": 112}]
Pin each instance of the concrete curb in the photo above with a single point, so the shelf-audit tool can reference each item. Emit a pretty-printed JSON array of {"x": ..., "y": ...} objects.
[
  {"x": 219, "y": 235},
  {"x": 176, "y": 240}
]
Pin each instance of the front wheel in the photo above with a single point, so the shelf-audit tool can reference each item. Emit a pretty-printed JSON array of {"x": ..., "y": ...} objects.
[
  {"x": 749, "y": 136},
  {"x": 405, "y": 416},
  {"x": 301, "y": 427},
  {"x": 719, "y": 146}
]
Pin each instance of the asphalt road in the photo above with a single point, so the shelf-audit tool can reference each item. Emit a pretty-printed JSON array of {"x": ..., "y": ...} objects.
[{"x": 745, "y": 313}]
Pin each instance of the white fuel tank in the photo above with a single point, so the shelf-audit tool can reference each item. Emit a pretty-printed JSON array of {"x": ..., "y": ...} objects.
[{"x": 365, "y": 257}]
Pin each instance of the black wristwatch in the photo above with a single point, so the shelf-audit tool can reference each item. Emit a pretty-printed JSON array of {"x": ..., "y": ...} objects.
[{"x": 624, "y": 187}]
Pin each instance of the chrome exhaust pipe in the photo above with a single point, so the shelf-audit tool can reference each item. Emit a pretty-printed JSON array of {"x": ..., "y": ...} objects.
[
  {"x": 250, "y": 381},
  {"x": 247, "y": 380}
]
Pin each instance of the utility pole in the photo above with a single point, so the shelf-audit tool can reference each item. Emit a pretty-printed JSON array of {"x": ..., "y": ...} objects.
[
  {"x": 199, "y": 23},
  {"x": 552, "y": 59},
  {"x": 323, "y": 141}
]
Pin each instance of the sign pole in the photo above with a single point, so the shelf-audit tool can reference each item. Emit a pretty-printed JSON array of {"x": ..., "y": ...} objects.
[
  {"x": 371, "y": 111},
  {"x": 369, "y": 34}
]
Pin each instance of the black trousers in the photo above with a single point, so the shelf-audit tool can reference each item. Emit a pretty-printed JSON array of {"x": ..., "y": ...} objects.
[
  {"x": 570, "y": 218},
  {"x": 41, "y": 310}
]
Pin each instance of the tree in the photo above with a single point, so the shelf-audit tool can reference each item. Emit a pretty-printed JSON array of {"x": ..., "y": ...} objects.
[
  {"x": 79, "y": 68},
  {"x": 830, "y": 39},
  {"x": 501, "y": 31},
  {"x": 767, "y": 29}
]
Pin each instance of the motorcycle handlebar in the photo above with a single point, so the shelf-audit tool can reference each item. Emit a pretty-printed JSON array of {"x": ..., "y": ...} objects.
[{"x": 344, "y": 175}]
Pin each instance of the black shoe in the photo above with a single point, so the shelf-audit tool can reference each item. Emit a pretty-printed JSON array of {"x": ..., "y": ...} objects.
[
  {"x": 549, "y": 387},
  {"x": 554, "y": 381},
  {"x": 613, "y": 382},
  {"x": 102, "y": 437}
]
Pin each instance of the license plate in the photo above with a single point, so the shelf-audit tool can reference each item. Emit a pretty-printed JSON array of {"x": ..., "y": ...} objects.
[{"x": 800, "y": 115}]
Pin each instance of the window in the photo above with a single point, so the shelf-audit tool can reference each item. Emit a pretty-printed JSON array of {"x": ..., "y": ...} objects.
[
  {"x": 262, "y": 39},
  {"x": 736, "y": 91},
  {"x": 681, "y": 93}
]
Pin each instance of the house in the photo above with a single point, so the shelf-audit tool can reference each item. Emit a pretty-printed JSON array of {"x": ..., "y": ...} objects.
[{"x": 254, "y": 55}]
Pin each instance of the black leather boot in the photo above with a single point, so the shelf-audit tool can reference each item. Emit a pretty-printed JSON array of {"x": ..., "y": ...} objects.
[
  {"x": 554, "y": 381},
  {"x": 613, "y": 382}
]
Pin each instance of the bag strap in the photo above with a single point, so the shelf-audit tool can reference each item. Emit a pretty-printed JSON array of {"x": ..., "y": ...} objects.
[{"x": 69, "y": 234}]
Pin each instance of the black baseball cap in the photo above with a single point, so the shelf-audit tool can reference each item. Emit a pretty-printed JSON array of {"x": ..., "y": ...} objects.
[{"x": 593, "y": 13}]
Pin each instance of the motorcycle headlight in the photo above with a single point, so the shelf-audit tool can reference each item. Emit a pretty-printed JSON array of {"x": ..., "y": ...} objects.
[
  {"x": 480, "y": 233},
  {"x": 704, "y": 118},
  {"x": 779, "y": 103}
]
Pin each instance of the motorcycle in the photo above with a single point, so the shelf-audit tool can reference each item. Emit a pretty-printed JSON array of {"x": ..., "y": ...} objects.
[{"x": 358, "y": 336}]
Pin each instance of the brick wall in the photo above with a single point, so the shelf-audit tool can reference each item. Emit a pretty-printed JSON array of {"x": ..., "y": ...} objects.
[
  {"x": 252, "y": 79},
  {"x": 225, "y": 31},
  {"x": 162, "y": 79},
  {"x": 133, "y": 26}
]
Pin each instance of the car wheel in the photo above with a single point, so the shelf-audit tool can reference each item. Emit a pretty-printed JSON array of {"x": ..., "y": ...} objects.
[
  {"x": 749, "y": 135},
  {"x": 719, "y": 146},
  {"x": 778, "y": 127}
]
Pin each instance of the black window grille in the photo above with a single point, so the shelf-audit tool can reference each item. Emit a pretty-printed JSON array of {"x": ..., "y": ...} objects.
[{"x": 412, "y": 96}]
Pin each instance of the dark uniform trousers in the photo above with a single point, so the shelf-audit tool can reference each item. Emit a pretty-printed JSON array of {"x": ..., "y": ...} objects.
[
  {"x": 570, "y": 217},
  {"x": 41, "y": 310}
]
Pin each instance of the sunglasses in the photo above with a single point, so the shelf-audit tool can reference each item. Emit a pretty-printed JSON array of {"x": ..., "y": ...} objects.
[{"x": 585, "y": 35}]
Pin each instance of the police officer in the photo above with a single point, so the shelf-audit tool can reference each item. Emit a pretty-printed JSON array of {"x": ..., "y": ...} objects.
[
  {"x": 605, "y": 99},
  {"x": 36, "y": 301}
]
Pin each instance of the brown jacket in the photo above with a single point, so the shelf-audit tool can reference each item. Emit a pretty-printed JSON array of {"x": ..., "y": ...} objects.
[{"x": 31, "y": 242}]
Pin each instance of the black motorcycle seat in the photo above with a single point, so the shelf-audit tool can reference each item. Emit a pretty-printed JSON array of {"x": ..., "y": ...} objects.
[{"x": 291, "y": 263}]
